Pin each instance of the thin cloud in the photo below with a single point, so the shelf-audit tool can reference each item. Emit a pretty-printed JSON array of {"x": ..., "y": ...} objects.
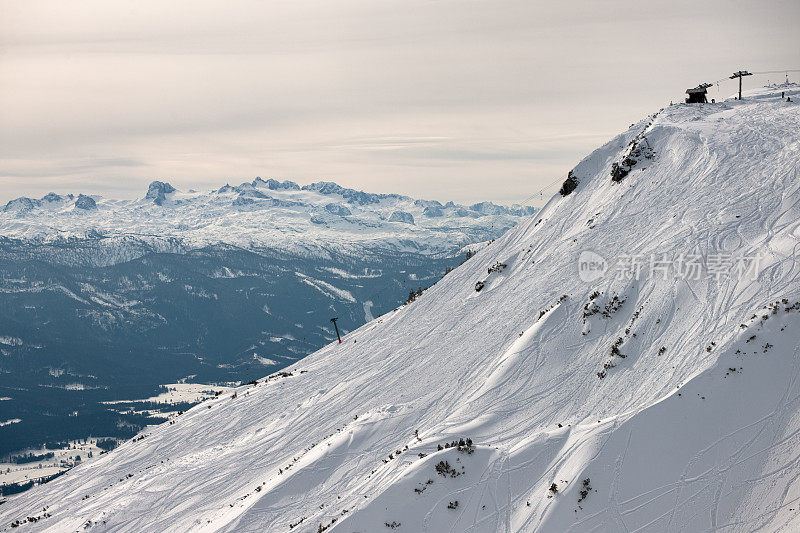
[{"x": 459, "y": 100}]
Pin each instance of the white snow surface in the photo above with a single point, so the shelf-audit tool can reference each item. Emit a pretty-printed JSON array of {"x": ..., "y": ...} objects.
[{"x": 702, "y": 436}]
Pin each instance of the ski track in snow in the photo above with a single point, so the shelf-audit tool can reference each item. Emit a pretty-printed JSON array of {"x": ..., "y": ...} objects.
[{"x": 696, "y": 438}]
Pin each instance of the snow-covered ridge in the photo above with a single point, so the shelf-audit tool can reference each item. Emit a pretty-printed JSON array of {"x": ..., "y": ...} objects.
[
  {"x": 486, "y": 411},
  {"x": 262, "y": 213}
]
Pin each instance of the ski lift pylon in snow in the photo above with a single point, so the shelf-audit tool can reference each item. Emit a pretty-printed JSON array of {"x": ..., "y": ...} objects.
[{"x": 337, "y": 329}]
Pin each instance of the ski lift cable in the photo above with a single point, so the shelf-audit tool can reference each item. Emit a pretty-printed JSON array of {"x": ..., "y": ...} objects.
[
  {"x": 541, "y": 191},
  {"x": 762, "y": 72},
  {"x": 777, "y": 71}
]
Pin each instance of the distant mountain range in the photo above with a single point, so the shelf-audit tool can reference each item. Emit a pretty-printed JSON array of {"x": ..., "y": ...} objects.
[{"x": 264, "y": 213}]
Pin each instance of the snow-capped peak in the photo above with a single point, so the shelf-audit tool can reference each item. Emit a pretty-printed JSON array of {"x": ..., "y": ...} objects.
[{"x": 158, "y": 191}]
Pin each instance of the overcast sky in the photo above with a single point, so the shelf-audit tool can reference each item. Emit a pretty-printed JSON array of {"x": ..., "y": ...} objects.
[{"x": 444, "y": 99}]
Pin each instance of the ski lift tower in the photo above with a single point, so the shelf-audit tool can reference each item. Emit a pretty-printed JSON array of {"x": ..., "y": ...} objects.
[
  {"x": 337, "y": 329},
  {"x": 740, "y": 75}
]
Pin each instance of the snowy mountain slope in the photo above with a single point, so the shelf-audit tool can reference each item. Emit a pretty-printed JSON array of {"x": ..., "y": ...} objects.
[
  {"x": 306, "y": 221},
  {"x": 670, "y": 402}
]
